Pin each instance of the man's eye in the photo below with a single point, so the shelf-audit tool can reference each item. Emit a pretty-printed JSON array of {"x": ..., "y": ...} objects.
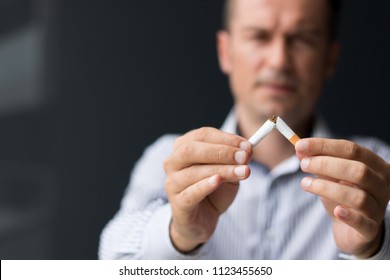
[
  {"x": 303, "y": 40},
  {"x": 262, "y": 37}
]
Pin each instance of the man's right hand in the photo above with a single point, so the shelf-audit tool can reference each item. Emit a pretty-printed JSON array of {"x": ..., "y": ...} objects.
[{"x": 203, "y": 175}]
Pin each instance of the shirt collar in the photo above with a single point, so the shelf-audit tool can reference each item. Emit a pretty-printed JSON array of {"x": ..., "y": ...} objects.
[{"x": 230, "y": 123}]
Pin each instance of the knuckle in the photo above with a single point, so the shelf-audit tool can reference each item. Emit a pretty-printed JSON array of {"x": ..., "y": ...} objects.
[
  {"x": 227, "y": 139},
  {"x": 324, "y": 146},
  {"x": 341, "y": 194},
  {"x": 190, "y": 174},
  {"x": 167, "y": 165},
  {"x": 319, "y": 185},
  {"x": 170, "y": 188},
  {"x": 361, "y": 172},
  {"x": 322, "y": 188},
  {"x": 178, "y": 141},
  {"x": 201, "y": 133},
  {"x": 351, "y": 149},
  {"x": 185, "y": 199},
  {"x": 375, "y": 227},
  {"x": 359, "y": 221},
  {"x": 184, "y": 150},
  {"x": 221, "y": 153},
  {"x": 361, "y": 200},
  {"x": 225, "y": 171},
  {"x": 168, "y": 184},
  {"x": 322, "y": 164}
]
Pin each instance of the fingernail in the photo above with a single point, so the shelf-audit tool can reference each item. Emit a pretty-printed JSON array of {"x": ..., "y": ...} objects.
[
  {"x": 244, "y": 145},
  {"x": 239, "y": 157},
  {"x": 343, "y": 212},
  {"x": 213, "y": 180},
  {"x": 305, "y": 163},
  {"x": 302, "y": 145},
  {"x": 306, "y": 182},
  {"x": 240, "y": 171}
]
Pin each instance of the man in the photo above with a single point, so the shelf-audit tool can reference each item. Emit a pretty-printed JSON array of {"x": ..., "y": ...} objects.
[{"x": 224, "y": 200}]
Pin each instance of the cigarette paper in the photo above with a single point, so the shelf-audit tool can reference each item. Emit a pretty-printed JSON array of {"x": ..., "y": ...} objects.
[
  {"x": 263, "y": 131},
  {"x": 286, "y": 131}
]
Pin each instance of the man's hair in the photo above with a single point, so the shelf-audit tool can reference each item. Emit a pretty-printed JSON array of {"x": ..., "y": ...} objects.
[{"x": 334, "y": 13}]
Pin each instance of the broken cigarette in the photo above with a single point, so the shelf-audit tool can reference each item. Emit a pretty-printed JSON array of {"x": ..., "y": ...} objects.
[
  {"x": 268, "y": 126},
  {"x": 263, "y": 131},
  {"x": 286, "y": 131}
]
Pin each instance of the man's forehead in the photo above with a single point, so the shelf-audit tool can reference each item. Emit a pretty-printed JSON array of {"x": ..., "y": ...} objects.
[{"x": 266, "y": 13}]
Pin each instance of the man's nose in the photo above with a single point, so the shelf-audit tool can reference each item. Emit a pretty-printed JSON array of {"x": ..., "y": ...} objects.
[{"x": 279, "y": 57}]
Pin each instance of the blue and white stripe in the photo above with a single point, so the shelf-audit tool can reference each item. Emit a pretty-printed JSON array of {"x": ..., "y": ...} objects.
[{"x": 271, "y": 217}]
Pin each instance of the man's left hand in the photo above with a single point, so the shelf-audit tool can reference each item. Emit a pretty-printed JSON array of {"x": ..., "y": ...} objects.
[{"x": 354, "y": 186}]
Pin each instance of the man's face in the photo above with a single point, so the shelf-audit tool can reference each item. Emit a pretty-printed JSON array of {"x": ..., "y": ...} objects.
[{"x": 277, "y": 54}]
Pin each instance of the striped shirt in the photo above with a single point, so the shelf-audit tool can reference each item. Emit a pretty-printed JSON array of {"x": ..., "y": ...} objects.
[{"x": 270, "y": 218}]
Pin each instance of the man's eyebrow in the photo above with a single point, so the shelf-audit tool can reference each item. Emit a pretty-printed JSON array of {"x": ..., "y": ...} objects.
[
  {"x": 309, "y": 30},
  {"x": 312, "y": 31},
  {"x": 256, "y": 29}
]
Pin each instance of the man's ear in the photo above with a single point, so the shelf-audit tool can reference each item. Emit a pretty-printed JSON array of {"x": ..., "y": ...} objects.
[
  {"x": 223, "y": 50},
  {"x": 333, "y": 58}
]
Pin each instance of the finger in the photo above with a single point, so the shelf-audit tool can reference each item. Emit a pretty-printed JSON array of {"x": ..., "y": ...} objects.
[
  {"x": 193, "y": 153},
  {"x": 214, "y": 136},
  {"x": 351, "y": 197},
  {"x": 339, "y": 148},
  {"x": 223, "y": 196},
  {"x": 189, "y": 176},
  {"x": 189, "y": 198},
  {"x": 365, "y": 226},
  {"x": 354, "y": 172}
]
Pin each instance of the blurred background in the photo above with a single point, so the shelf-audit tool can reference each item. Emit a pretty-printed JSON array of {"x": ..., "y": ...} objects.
[{"x": 85, "y": 86}]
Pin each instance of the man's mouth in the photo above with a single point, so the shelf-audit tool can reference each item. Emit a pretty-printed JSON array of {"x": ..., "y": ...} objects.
[{"x": 279, "y": 88}]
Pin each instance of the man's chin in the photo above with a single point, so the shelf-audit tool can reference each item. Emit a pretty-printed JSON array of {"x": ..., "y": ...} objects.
[
  {"x": 270, "y": 105},
  {"x": 268, "y": 110}
]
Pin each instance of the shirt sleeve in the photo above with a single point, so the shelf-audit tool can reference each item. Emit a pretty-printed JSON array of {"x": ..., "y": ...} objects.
[
  {"x": 159, "y": 246},
  {"x": 140, "y": 229},
  {"x": 383, "y": 150},
  {"x": 384, "y": 252}
]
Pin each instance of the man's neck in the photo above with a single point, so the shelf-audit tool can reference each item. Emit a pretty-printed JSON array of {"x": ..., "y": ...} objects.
[{"x": 273, "y": 149}]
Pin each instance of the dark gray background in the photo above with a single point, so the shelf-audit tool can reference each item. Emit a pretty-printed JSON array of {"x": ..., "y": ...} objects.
[{"x": 117, "y": 75}]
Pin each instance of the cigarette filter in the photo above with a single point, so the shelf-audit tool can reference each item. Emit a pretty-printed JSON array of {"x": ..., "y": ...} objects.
[{"x": 286, "y": 131}]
